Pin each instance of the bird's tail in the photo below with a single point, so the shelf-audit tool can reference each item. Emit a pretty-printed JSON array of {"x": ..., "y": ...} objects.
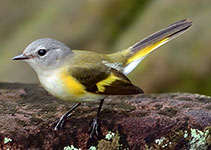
[{"x": 137, "y": 52}]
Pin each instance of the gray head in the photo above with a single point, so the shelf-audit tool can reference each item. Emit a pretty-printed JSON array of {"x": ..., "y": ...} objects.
[{"x": 44, "y": 54}]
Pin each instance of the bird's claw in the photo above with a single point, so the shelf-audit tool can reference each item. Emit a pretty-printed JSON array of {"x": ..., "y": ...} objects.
[
  {"x": 94, "y": 128},
  {"x": 60, "y": 123}
]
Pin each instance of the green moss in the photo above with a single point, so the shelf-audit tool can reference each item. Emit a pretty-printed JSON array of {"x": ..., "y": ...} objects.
[
  {"x": 7, "y": 140},
  {"x": 163, "y": 142},
  {"x": 110, "y": 135},
  {"x": 200, "y": 140},
  {"x": 192, "y": 139},
  {"x": 111, "y": 142},
  {"x": 92, "y": 148},
  {"x": 70, "y": 148}
]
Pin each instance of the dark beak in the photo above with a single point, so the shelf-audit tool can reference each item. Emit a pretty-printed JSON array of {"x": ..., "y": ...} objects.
[{"x": 20, "y": 57}]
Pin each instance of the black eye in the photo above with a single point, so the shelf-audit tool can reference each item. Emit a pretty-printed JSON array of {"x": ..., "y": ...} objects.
[{"x": 42, "y": 52}]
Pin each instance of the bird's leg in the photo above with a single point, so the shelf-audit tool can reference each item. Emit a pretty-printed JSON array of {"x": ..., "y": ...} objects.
[
  {"x": 93, "y": 130},
  {"x": 61, "y": 121}
]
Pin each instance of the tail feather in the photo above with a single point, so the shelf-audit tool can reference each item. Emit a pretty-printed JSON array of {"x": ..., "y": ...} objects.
[{"x": 138, "y": 51}]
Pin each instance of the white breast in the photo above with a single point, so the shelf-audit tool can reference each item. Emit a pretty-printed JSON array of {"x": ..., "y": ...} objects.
[{"x": 50, "y": 81}]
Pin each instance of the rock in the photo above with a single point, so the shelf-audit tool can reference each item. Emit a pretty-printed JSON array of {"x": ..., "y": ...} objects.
[{"x": 145, "y": 121}]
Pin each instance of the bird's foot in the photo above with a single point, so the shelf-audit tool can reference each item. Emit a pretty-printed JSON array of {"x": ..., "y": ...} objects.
[
  {"x": 60, "y": 123},
  {"x": 94, "y": 128}
]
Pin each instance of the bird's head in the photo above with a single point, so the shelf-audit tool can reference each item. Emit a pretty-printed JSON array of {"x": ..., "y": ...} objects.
[{"x": 44, "y": 54}]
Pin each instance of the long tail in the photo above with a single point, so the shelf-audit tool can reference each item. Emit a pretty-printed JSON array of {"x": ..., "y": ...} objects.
[{"x": 140, "y": 50}]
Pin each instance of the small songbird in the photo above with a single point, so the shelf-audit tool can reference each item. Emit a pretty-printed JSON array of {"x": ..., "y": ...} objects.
[{"x": 83, "y": 76}]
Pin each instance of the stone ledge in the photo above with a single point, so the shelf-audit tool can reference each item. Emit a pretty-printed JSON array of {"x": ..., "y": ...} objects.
[{"x": 145, "y": 121}]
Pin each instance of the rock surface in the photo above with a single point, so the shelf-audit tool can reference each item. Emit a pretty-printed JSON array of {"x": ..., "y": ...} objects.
[{"x": 146, "y": 121}]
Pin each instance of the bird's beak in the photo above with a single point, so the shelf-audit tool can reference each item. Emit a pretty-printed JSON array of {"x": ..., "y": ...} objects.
[{"x": 21, "y": 57}]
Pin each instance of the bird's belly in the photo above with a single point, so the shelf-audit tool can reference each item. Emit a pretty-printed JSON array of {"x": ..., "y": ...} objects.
[{"x": 67, "y": 88}]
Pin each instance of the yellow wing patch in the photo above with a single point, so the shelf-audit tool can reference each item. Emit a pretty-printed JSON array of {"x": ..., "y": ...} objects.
[
  {"x": 71, "y": 84},
  {"x": 106, "y": 82},
  {"x": 146, "y": 50}
]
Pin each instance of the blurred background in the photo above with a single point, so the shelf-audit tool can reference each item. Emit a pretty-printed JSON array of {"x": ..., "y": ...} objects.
[{"x": 106, "y": 26}]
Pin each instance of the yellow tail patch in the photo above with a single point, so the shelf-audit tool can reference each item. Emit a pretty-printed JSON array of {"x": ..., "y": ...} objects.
[{"x": 146, "y": 50}]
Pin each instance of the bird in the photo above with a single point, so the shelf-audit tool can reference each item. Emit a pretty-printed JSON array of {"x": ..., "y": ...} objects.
[{"x": 84, "y": 76}]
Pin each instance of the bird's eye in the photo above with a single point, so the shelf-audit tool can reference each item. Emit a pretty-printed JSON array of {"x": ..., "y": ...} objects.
[{"x": 42, "y": 52}]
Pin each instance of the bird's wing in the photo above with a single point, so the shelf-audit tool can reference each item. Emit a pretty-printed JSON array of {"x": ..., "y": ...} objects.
[{"x": 103, "y": 80}]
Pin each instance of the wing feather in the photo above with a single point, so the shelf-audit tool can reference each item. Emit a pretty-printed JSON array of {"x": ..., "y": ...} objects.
[{"x": 104, "y": 80}]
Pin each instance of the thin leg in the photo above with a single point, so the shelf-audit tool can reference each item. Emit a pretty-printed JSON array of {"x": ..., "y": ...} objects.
[
  {"x": 64, "y": 117},
  {"x": 100, "y": 107},
  {"x": 94, "y": 125}
]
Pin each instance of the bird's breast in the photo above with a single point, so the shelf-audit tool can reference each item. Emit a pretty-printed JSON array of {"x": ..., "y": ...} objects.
[{"x": 63, "y": 86}]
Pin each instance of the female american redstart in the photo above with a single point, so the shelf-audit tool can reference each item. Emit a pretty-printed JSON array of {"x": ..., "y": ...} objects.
[{"x": 80, "y": 76}]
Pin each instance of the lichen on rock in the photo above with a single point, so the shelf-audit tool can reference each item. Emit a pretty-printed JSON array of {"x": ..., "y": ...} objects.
[{"x": 190, "y": 139}]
